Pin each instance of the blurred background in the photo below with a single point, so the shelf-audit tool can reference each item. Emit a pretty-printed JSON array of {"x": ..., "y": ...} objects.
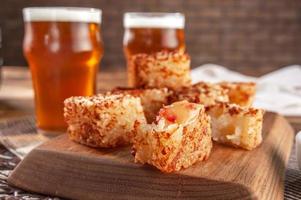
[{"x": 254, "y": 35}]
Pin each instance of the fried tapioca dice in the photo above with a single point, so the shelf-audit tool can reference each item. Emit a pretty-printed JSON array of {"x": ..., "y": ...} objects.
[
  {"x": 160, "y": 69},
  {"x": 180, "y": 137},
  {"x": 240, "y": 93},
  {"x": 235, "y": 125},
  {"x": 203, "y": 93},
  {"x": 103, "y": 120},
  {"x": 152, "y": 100}
]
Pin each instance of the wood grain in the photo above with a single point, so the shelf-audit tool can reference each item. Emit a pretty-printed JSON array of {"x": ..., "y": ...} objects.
[{"x": 63, "y": 168}]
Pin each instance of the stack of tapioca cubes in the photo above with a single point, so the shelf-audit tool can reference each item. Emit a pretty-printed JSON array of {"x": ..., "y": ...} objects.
[{"x": 168, "y": 122}]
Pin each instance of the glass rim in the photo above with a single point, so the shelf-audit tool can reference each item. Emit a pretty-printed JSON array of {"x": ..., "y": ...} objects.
[
  {"x": 62, "y": 14},
  {"x": 154, "y": 14},
  {"x": 153, "y": 20}
]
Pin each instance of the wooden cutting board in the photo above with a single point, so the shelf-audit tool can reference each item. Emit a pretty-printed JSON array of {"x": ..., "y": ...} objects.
[{"x": 63, "y": 168}]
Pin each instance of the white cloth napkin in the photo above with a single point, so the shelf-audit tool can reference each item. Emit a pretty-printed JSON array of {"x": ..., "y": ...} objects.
[{"x": 278, "y": 91}]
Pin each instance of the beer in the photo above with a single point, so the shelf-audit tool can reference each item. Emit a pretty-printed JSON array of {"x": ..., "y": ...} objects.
[
  {"x": 152, "y": 32},
  {"x": 63, "y": 48}
]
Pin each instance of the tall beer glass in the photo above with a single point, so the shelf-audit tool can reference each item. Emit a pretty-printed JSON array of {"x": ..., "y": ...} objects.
[
  {"x": 63, "y": 48},
  {"x": 152, "y": 32}
]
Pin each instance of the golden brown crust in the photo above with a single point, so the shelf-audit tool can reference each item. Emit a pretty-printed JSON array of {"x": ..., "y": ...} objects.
[
  {"x": 240, "y": 93},
  {"x": 203, "y": 93},
  {"x": 235, "y": 125},
  {"x": 152, "y": 100},
  {"x": 172, "y": 145},
  {"x": 102, "y": 120},
  {"x": 160, "y": 69}
]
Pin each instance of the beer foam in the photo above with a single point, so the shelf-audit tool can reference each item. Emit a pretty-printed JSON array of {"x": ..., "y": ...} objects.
[
  {"x": 62, "y": 14},
  {"x": 153, "y": 20}
]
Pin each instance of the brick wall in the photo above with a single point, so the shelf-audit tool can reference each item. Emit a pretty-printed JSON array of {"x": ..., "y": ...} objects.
[{"x": 236, "y": 33}]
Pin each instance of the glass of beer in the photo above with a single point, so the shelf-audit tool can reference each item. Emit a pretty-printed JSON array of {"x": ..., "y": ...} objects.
[
  {"x": 152, "y": 32},
  {"x": 63, "y": 47}
]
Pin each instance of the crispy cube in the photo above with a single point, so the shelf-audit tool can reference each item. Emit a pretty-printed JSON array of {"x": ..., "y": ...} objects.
[
  {"x": 160, "y": 69},
  {"x": 103, "y": 120},
  {"x": 152, "y": 100},
  {"x": 203, "y": 93},
  {"x": 180, "y": 137},
  {"x": 235, "y": 125},
  {"x": 240, "y": 93}
]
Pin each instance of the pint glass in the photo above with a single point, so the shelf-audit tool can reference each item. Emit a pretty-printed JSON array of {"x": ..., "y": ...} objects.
[
  {"x": 152, "y": 32},
  {"x": 63, "y": 48}
]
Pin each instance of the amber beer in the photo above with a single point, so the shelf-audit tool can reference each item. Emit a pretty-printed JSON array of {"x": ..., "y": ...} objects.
[
  {"x": 152, "y": 32},
  {"x": 63, "y": 48}
]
